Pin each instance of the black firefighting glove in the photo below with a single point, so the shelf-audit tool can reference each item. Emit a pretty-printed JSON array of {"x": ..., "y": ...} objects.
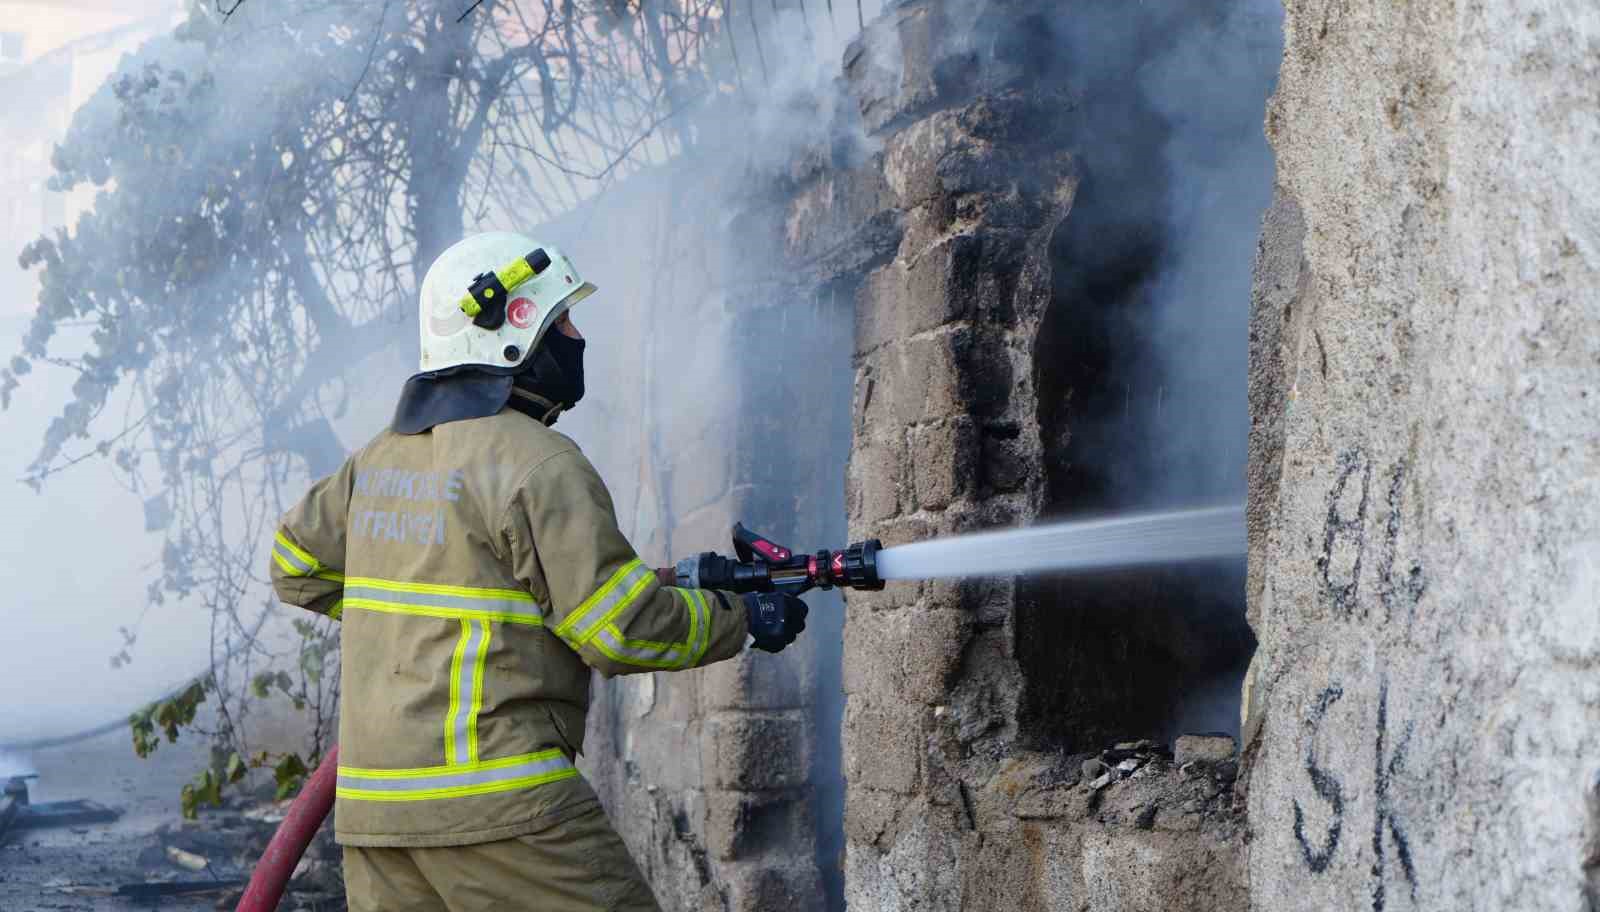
[{"x": 775, "y": 618}]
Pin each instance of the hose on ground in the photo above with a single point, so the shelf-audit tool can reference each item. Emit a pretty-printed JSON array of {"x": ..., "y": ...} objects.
[{"x": 306, "y": 813}]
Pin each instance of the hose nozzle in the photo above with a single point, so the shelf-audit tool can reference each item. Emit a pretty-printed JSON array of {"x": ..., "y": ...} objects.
[
  {"x": 856, "y": 567},
  {"x": 762, "y": 565}
]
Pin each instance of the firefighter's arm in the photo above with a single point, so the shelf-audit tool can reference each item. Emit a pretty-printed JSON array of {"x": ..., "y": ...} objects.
[
  {"x": 308, "y": 551},
  {"x": 602, "y": 601}
]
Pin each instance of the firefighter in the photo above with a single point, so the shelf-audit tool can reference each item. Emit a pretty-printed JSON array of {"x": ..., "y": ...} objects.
[{"x": 473, "y": 557}]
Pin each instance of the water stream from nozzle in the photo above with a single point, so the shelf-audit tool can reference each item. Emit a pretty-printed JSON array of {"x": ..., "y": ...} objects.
[{"x": 1146, "y": 538}]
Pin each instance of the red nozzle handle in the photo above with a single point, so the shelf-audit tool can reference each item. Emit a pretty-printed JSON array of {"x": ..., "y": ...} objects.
[{"x": 748, "y": 545}]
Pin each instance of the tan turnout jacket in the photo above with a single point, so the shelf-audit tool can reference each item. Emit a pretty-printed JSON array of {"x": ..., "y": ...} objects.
[{"x": 479, "y": 573}]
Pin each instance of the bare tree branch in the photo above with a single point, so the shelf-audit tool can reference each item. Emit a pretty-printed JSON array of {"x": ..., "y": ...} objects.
[{"x": 319, "y": 166}]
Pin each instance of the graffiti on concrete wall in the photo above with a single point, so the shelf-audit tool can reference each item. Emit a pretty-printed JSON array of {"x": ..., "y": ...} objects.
[
  {"x": 1319, "y": 852},
  {"x": 1397, "y": 592},
  {"x": 1385, "y": 815},
  {"x": 1394, "y": 585},
  {"x": 1344, "y": 534},
  {"x": 1344, "y": 543},
  {"x": 1391, "y": 844}
]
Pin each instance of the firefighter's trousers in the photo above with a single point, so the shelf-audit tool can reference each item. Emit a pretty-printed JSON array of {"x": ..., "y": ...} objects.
[{"x": 577, "y": 865}]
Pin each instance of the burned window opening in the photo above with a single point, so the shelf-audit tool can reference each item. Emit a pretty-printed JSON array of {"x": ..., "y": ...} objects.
[{"x": 1135, "y": 653}]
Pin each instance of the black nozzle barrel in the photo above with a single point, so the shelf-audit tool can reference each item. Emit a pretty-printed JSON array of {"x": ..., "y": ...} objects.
[{"x": 858, "y": 565}]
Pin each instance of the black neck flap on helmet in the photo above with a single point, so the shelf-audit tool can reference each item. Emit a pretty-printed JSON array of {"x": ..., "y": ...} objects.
[{"x": 452, "y": 394}]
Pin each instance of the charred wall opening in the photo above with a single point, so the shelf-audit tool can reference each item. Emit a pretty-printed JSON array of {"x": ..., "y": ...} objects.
[
  {"x": 1140, "y": 367},
  {"x": 1118, "y": 654}
]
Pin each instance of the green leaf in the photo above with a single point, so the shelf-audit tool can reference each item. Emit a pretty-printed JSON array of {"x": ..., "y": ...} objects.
[
  {"x": 289, "y": 774},
  {"x": 235, "y": 769},
  {"x": 210, "y": 788},
  {"x": 204, "y": 789},
  {"x": 170, "y": 715},
  {"x": 144, "y": 733}
]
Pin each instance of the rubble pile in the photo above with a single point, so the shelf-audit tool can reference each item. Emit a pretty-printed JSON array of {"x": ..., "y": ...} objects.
[
  {"x": 1143, "y": 784},
  {"x": 1174, "y": 789},
  {"x": 233, "y": 838}
]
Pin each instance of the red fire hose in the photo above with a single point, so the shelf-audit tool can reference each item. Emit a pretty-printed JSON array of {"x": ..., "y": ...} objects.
[{"x": 306, "y": 813}]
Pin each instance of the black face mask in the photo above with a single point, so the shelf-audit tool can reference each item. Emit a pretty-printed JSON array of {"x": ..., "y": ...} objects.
[{"x": 554, "y": 374}]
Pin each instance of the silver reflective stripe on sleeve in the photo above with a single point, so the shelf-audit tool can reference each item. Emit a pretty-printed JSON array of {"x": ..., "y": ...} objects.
[
  {"x": 650, "y": 655},
  {"x": 697, "y": 651},
  {"x": 441, "y": 601},
  {"x": 645, "y": 653},
  {"x": 291, "y": 562},
  {"x": 606, "y": 603},
  {"x": 455, "y": 781}
]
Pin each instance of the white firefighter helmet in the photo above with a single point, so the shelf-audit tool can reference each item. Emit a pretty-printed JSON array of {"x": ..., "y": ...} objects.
[{"x": 490, "y": 298}]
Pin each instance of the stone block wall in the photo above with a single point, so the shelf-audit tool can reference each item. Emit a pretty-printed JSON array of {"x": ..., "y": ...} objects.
[
  {"x": 957, "y": 796},
  {"x": 1424, "y": 715}
]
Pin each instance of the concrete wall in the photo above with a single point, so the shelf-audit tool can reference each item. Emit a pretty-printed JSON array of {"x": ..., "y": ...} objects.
[{"x": 1425, "y": 392}]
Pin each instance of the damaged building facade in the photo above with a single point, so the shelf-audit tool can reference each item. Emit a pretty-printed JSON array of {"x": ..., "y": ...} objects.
[
  {"x": 1021, "y": 261},
  {"x": 968, "y": 264}
]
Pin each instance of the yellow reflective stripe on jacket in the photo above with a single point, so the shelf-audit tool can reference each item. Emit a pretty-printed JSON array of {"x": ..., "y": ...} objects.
[
  {"x": 475, "y": 706},
  {"x": 466, "y": 692},
  {"x": 610, "y": 600},
  {"x": 697, "y": 653},
  {"x": 292, "y": 558},
  {"x": 502, "y": 775},
  {"x": 474, "y": 608},
  {"x": 456, "y": 658},
  {"x": 297, "y": 562},
  {"x": 431, "y": 600},
  {"x": 337, "y": 611},
  {"x": 648, "y": 654}
]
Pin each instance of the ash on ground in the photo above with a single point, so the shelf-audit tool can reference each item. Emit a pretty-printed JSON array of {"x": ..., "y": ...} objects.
[{"x": 82, "y": 867}]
